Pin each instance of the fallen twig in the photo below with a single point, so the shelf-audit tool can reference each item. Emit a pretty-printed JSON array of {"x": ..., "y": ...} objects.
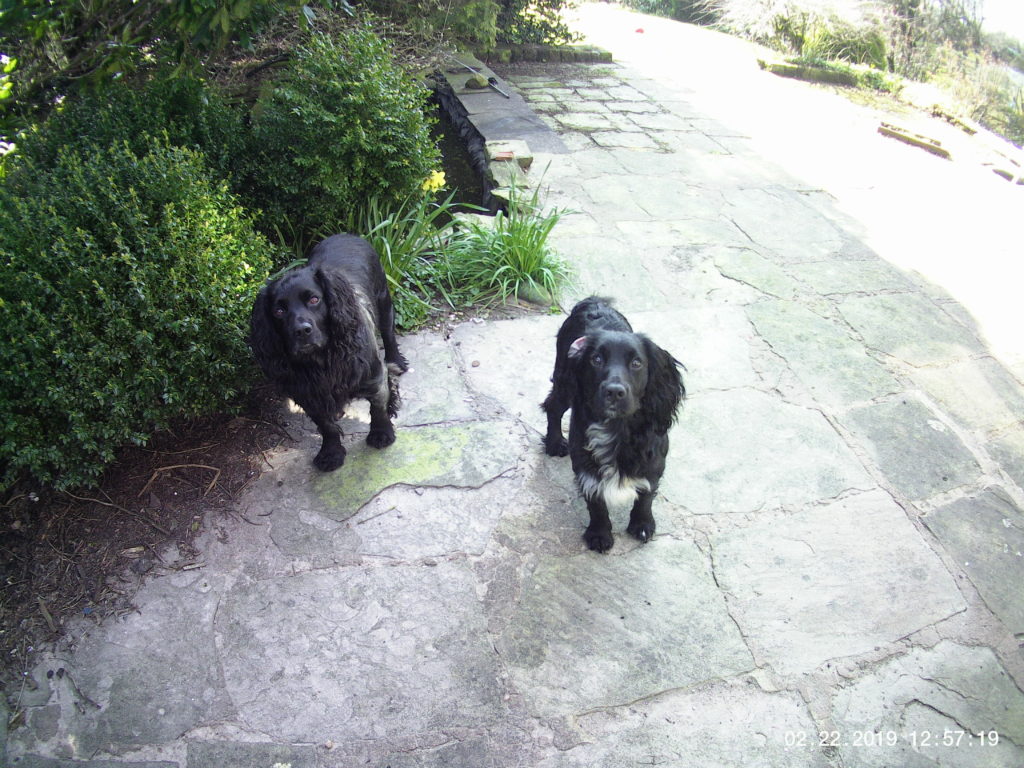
[
  {"x": 119, "y": 508},
  {"x": 158, "y": 470}
]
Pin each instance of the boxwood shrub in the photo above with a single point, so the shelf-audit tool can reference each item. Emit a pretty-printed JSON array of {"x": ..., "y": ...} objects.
[
  {"x": 342, "y": 125},
  {"x": 126, "y": 282},
  {"x": 189, "y": 111}
]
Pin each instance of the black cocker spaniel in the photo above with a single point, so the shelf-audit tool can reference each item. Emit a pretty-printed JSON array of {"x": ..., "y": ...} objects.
[
  {"x": 624, "y": 391},
  {"x": 314, "y": 334}
]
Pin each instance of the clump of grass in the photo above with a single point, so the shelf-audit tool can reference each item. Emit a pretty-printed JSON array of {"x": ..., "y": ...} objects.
[
  {"x": 508, "y": 258},
  {"x": 409, "y": 240}
]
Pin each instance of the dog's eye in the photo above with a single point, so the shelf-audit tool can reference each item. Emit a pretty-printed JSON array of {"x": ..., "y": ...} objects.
[
  {"x": 313, "y": 301},
  {"x": 636, "y": 364},
  {"x": 278, "y": 311},
  {"x": 596, "y": 360}
]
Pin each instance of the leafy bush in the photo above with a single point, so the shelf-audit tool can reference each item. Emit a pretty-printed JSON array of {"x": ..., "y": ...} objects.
[
  {"x": 691, "y": 11},
  {"x": 188, "y": 111},
  {"x": 835, "y": 39},
  {"x": 343, "y": 125},
  {"x": 125, "y": 287},
  {"x": 533, "y": 21}
]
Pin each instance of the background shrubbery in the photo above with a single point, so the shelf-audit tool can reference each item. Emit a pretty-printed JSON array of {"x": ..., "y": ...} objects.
[
  {"x": 169, "y": 157},
  {"x": 342, "y": 125},
  {"x": 940, "y": 41},
  {"x": 126, "y": 285}
]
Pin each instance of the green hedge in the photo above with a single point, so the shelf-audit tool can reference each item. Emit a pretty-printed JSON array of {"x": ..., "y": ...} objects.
[
  {"x": 187, "y": 110},
  {"x": 126, "y": 282},
  {"x": 343, "y": 125}
]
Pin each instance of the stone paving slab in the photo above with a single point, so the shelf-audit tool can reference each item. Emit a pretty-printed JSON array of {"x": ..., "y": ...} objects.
[
  {"x": 591, "y": 633},
  {"x": 846, "y": 375},
  {"x": 985, "y": 536},
  {"x": 910, "y": 328},
  {"x": 936, "y": 701},
  {"x": 835, "y": 581},
  {"x": 941, "y": 461},
  {"x": 722, "y": 725},
  {"x": 797, "y": 458},
  {"x": 326, "y": 655}
]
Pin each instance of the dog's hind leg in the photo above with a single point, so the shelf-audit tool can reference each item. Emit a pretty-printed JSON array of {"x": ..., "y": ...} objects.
[
  {"x": 386, "y": 312},
  {"x": 641, "y": 518},
  {"x": 554, "y": 441},
  {"x": 382, "y": 431},
  {"x": 555, "y": 405}
]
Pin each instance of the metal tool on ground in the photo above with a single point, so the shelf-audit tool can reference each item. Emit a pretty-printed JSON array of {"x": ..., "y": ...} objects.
[{"x": 491, "y": 81}]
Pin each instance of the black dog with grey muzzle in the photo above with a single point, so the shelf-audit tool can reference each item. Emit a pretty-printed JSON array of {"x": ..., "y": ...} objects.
[
  {"x": 624, "y": 391},
  {"x": 314, "y": 334}
]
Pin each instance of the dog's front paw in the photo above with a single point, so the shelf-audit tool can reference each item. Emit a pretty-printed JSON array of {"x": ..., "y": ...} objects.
[
  {"x": 641, "y": 529},
  {"x": 330, "y": 457},
  {"x": 380, "y": 438},
  {"x": 599, "y": 539},
  {"x": 556, "y": 446}
]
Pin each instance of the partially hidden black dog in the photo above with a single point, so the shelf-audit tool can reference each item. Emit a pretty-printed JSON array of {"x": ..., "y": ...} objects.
[
  {"x": 314, "y": 334},
  {"x": 624, "y": 391}
]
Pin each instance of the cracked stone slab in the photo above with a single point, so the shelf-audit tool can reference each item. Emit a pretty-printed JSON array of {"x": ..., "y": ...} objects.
[
  {"x": 405, "y": 523},
  {"x": 712, "y": 344},
  {"x": 624, "y": 139},
  {"x": 432, "y": 389},
  {"x": 985, "y": 535},
  {"x": 232, "y": 754},
  {"x": 597, "y": 631},
  {"x": 830, "y": 363},
  {"x": 327, "y": 654},
  {"x": 510, "y": 364},
  {"x": 748, "y": 266},
  {"x": 846, "y": 276},
  {"x": 730, "y": 724},
  {"x": 1008, "y": 449},
  {"x": 934, "y": 701},
  {"x": 141, "y": 680},
  {"x": 714, "y": 465},
  {"x": 832, "y": 581},
  {"x": 980, "y": 394},
  {"x": 778, "y": 218},
  {"x": 895, "y": 430},
  {"x": 910, "y": 327},
  {"x": 463, "y": 455}
]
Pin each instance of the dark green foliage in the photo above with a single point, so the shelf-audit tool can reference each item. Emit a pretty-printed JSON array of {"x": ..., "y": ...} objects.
[
  {"x": 533, "y": 21},
  {"x": 126, "y": 282},
  {"x": 343, "y": 124},
  {"x": 186, "y": 110},
  {"x": 63, "y": 45},
  {"x": 691, "y": 11}
]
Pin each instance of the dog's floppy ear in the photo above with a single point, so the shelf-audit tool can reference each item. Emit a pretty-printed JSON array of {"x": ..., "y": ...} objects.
[
  {"x": 577, "y": 348},
  {"x": 342, "y": 308},
  {"x": 264, "y": 339},
  {"x": 665, "y": 389}
]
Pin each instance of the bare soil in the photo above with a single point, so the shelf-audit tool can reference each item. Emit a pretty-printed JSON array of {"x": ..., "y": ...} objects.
[{"x": 86, "y": 552}]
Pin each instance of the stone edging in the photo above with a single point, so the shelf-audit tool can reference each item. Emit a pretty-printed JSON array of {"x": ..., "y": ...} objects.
[{"x": 580, "y": 54}]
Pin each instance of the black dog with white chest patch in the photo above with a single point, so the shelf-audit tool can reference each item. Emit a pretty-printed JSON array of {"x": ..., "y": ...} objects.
[
  {"x": 314, "y": 334},
  {"x": 624, "y": 391}
]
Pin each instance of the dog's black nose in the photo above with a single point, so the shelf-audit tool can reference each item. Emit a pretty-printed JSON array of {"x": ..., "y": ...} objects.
[
  {"x": 304, "y": 328},
  {"x": 614, "y": 392}
]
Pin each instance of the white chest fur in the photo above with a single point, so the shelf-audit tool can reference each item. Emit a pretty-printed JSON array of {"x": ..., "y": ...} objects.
[{"x": 603, "y": 444}]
